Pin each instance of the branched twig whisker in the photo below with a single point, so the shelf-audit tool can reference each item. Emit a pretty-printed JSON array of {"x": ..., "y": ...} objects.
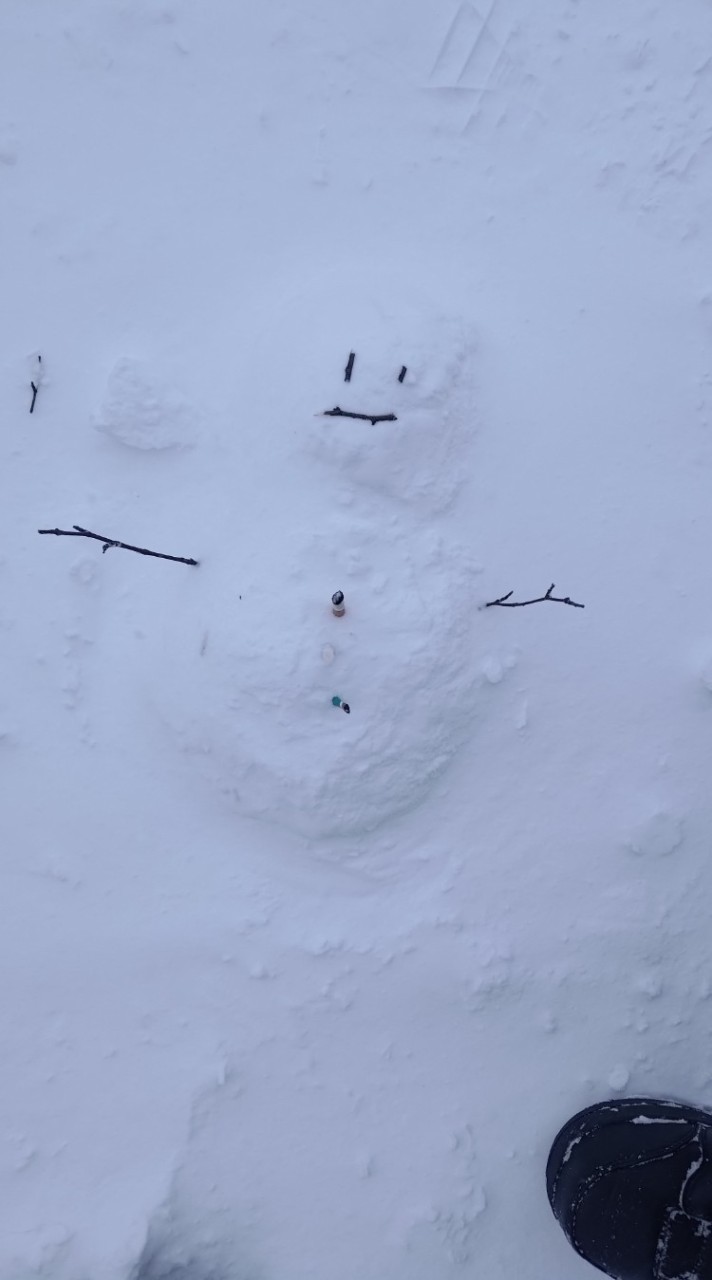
[{"x": 505, "y": 603}]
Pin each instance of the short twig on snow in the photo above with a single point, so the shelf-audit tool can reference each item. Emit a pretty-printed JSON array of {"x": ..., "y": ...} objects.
[
  {"x": 506, "y": 603},
  {"x": 349, "y": 366},
  {"x": 36, "y": 385},
  {"x": 76, "y": 531},
  {"x": 402, "y": 373},
  {"x": 373, "y": 418}
]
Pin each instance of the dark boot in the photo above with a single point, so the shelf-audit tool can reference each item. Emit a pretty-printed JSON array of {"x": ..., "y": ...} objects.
[{"x": 631, "y": 1184}]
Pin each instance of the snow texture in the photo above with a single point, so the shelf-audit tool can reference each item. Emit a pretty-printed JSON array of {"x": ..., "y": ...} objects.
[
  {"x": 290, "y": 994},
  {"x": 139, "y": 413}
]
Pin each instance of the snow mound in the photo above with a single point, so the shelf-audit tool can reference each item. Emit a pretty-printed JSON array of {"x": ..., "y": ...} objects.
[
  {"x": 246, "y": 685},
  {"x": 142, "y": 414},
  {"x": 389, "y": 327},
  {"x": 658, "y": 836}
]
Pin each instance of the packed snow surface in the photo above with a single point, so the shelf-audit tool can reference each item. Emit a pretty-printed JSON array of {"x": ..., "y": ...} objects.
[{"x": 291, "y": 994}]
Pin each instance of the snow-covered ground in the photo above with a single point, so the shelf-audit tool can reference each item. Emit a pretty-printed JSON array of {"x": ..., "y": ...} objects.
[{"x": 289, "y": 994}]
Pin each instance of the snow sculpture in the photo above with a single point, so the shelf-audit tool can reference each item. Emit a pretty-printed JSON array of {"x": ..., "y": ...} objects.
[{"x": 357, "y": 504}]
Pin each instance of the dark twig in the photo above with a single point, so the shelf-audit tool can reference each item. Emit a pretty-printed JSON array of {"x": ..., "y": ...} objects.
[
  {"x": 35, "y": 387},
  {"x": 506, "y": 603},
  {"x": 402, "y": 373},
  {"x": 76, "y": 531},
  {"x": 365, "y": 417},
  {"x": 349, "y": 366}
]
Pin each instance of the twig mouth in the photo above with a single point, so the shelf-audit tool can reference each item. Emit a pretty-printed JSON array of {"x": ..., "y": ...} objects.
[{"x": 373, "y": 418}]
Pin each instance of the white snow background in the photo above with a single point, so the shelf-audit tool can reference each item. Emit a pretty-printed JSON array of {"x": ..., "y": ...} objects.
[{"x": 286, "y": 994}]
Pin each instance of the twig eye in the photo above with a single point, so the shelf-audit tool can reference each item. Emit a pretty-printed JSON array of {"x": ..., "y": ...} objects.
[{"x": 402, "y": 373}]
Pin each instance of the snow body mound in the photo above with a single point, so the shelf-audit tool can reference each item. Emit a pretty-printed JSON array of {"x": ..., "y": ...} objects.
[
  {"x": 249, "y": 695},
  {"x": 139, "y": 412},
  {"x": 246, "y": 673},
  {"x": 389, "y": 326}
]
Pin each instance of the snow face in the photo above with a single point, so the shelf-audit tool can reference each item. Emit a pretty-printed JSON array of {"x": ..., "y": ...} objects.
[{"x": 389, "y": 325}]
